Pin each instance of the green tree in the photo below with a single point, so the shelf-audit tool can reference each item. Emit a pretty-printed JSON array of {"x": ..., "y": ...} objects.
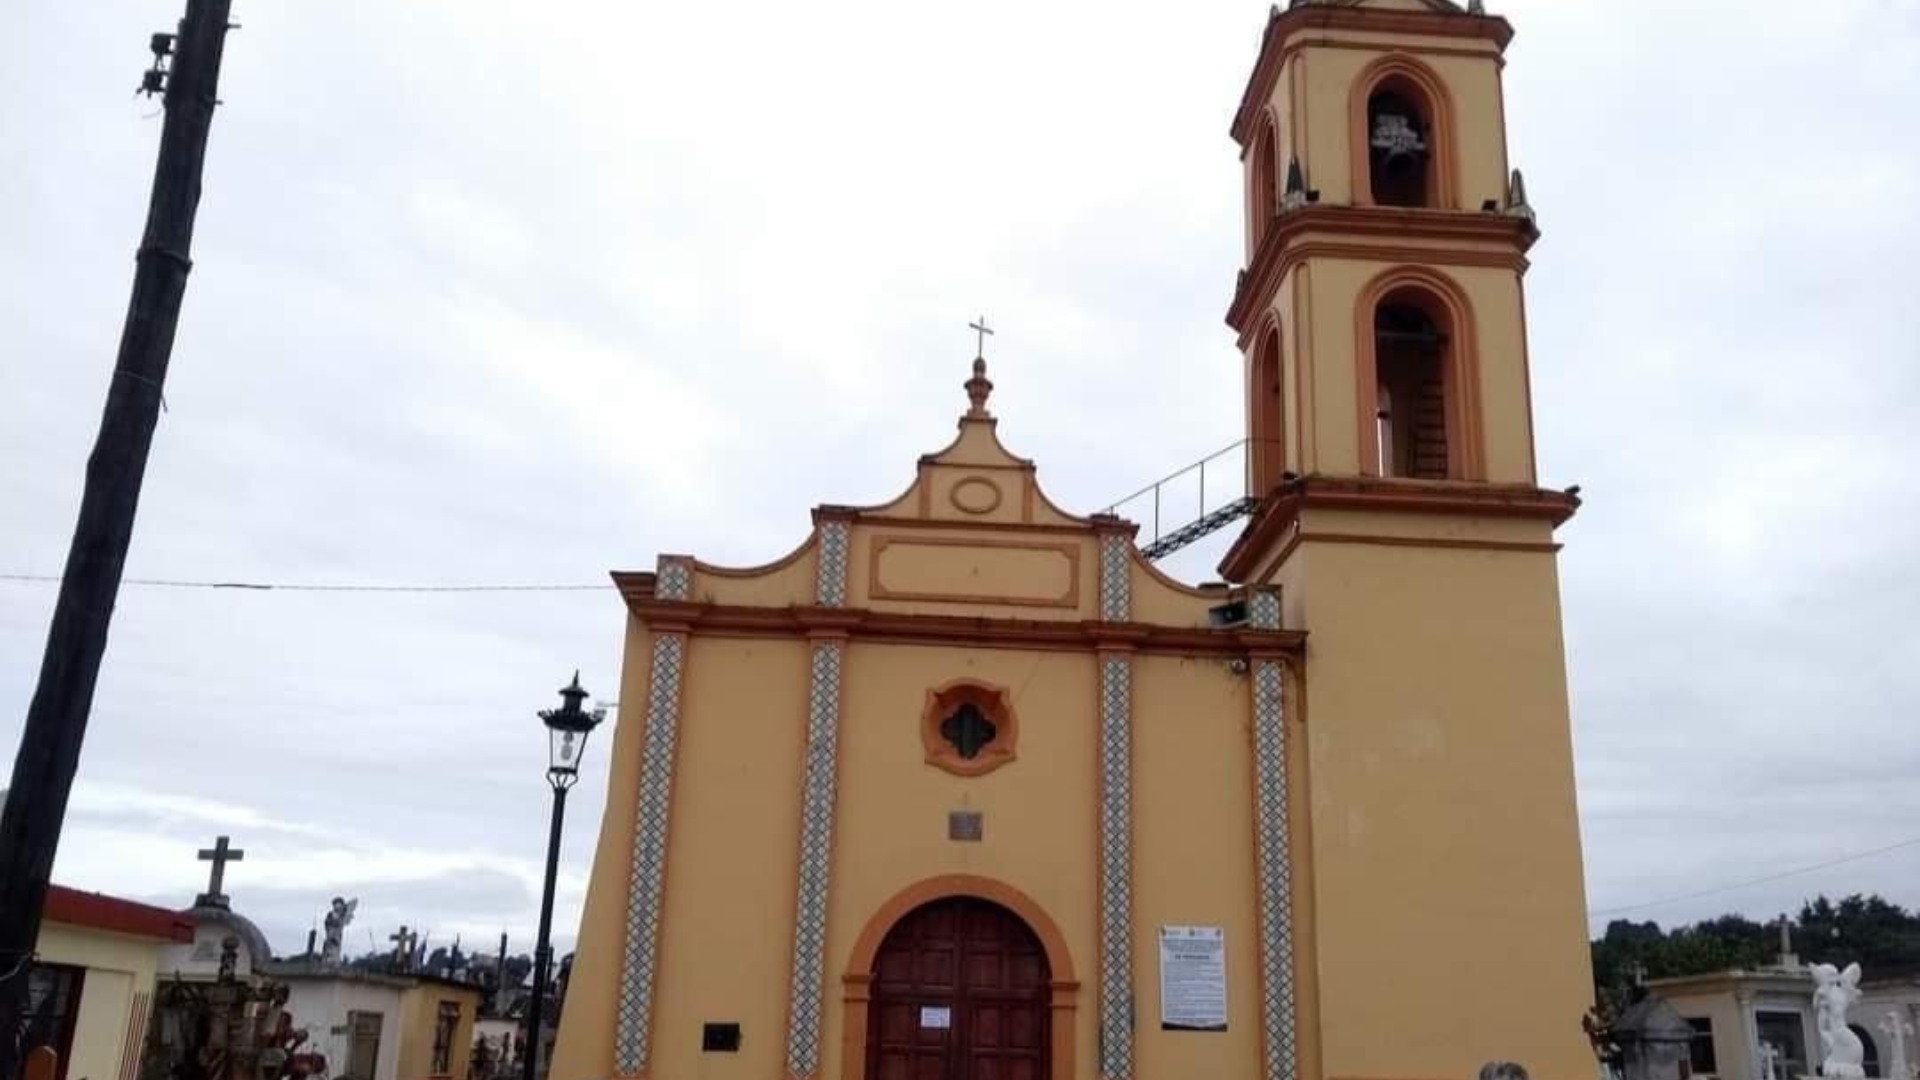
[{"x": 1879, "y": 935}]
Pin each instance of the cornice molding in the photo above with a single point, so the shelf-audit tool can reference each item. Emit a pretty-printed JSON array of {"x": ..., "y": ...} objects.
[
  {"x": 1279, "y": 515},
  {"x": 1286, "y": 246},
  {"x": 863, "y": 625}
]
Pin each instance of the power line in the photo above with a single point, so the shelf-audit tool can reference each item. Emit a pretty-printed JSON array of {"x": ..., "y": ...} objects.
[
  {"x": 1842, "y": 860},
  {"x": 286, "y": 586}
]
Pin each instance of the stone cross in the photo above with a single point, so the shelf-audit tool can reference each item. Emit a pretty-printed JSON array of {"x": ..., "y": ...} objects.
[
  {"x": 220, "y": 854},
  {"x": 981, "y": 331},
  {"x": 1787, "y": 957},
  {"x": 402, "y": 943},
  {"x": 1896, "y": 1028},
  {"x": 1770, "y": 1061}
]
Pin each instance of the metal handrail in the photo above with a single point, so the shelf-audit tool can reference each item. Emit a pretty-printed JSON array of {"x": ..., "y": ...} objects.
[{"x": 1154, "y": 489}]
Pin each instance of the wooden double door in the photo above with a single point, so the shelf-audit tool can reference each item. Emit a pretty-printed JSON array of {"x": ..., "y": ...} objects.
[{"x": 960, "y": 992}]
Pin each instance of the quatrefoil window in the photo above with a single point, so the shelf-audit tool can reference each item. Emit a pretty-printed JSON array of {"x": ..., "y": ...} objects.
[
  {"x": 968, "y": 730},
  {"x": 968, "y": 727}
]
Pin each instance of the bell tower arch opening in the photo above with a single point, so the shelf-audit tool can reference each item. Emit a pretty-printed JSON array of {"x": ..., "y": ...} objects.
[
  {"x": 1399, "y": 149},
  {"x": 1267, "y": 426},
  {"x": 1402, "y": 120},
  {"x": 1418, "y": 377},
  {"x": 1411, "y": 372},
  {"x": 1263, "y": 184}
]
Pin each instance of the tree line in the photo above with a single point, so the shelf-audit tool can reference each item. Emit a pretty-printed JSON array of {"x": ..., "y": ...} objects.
[{"x": 1879, "y": 935}]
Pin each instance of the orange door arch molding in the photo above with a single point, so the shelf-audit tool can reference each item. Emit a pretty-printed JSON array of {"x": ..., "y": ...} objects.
[{"x": 858, "y": 979}]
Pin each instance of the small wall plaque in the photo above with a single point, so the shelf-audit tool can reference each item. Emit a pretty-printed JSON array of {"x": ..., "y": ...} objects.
[
  {"x": 966, "y": 825},
  {"x": 720, "y": 1038}
]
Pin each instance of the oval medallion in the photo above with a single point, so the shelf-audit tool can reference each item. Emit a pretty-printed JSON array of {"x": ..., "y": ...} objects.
[{"x": 975, "y": 495}]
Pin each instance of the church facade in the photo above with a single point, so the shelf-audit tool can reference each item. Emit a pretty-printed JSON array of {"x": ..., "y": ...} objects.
[{"x": 965, "y": 787}]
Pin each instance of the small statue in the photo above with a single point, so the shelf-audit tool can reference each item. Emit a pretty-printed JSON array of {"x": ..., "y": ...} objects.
[
  {"x": 339, "y": 917},
  {"x": 229, "y": 958},
  {"x": 1897, "y": 1030},
  {"x": 1840, "y": 1049}
]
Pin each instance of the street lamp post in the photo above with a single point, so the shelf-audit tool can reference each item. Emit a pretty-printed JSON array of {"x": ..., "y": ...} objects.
[{"x": 567, "y": 729}]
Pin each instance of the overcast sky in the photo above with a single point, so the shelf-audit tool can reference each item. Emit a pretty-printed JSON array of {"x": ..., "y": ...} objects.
[{"x": 507, "y": 292}]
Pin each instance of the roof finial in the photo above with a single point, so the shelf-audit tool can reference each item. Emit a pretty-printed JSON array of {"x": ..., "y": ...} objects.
[
  {"x": 1517, "y": 204},
  {"x": 979, "y": 387},
  {"x": 1297, "y": 194}
]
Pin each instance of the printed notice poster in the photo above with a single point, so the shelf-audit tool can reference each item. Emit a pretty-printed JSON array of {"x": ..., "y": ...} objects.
[
  {"x": 936, "y": 1016},
  {"x": 1193, "y": 978}
]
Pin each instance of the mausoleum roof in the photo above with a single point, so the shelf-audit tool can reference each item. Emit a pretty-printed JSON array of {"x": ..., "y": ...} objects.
[{"x": 243, "y": 928}]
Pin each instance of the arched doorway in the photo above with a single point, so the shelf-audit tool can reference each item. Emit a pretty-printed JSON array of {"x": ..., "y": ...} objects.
[{"x": 961, "y": 991}]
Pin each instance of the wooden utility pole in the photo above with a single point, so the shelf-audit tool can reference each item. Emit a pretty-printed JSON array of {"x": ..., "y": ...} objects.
[{"x": 57, "y": 719}]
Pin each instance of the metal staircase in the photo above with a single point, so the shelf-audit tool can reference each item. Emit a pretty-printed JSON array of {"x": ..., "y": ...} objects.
[{"x": 1228, "y": 502}]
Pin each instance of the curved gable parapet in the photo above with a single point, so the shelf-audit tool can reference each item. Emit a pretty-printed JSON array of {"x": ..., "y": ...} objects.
[
  {"x": 973, "y": 537},
  {"x": 976, "y": 480}
]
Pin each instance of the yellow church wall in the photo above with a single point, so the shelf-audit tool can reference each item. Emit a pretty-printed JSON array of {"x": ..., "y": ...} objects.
[
  {"x": 786, "y": 580},
  {"x": 1162, "y": 601},
  {"x": 726, "y": 935},
  {"x": 1505, "y": 397},
  {"x": 1194, "y": 855},
  {"x": 1330, "y": 351},
  {"x": 1444, "y": 823},
  {"x": 584, "y": 1047},
  {"x": 1039, "y": 810}
]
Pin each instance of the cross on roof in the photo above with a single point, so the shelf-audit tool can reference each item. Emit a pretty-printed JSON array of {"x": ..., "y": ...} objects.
[
  {"x": 981, "y": 331},
  {"x": 220, "y": 854}
]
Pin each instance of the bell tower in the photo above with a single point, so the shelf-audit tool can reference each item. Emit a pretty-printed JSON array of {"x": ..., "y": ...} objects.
[{"x": 1439, "y": 909}]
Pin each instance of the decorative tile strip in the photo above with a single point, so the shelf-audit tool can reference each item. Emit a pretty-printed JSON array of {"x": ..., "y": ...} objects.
[
  {"x": 673, "y": 579},
  {"x": 1263, "y": 608},
  {"x": 1116, "y": 581},
  {"x": 1116, "y": 867},
  {"x": 832, "y": 588},
  {"x": 1274, "y": 868},
  {"x": 634, "y": 1012},
  {"x": 816, "y": 852}
]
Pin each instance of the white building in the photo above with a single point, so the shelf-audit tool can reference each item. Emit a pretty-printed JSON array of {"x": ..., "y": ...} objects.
[
  {"x": 352, "y": 1018},
  {"x": 1734, "y": 1012}
]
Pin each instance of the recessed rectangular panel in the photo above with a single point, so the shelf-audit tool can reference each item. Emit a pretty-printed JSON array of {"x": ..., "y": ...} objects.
[{"x": 985, "y": 572}]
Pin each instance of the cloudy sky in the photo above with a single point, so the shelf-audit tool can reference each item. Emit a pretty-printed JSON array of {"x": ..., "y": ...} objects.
[{"x": 494, "y": 292}]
